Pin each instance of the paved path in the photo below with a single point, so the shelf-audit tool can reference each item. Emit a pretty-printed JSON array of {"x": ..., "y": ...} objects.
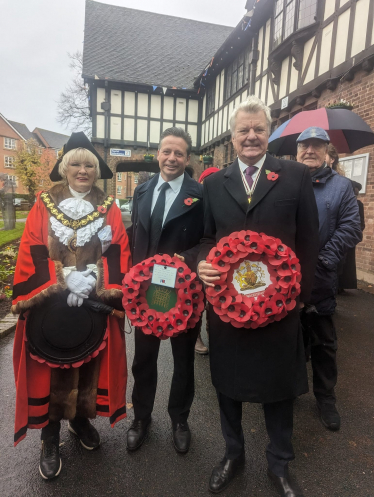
[{"x": 327, "y": 464}]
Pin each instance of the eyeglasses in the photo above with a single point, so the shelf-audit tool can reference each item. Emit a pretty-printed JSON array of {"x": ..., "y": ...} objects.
[{"x": 318, "y": 145}]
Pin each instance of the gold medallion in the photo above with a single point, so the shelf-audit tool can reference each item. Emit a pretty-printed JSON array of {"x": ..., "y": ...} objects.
[{"x": 72, "y": 243}]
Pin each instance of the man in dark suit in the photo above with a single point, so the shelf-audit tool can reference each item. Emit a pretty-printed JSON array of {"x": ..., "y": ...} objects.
[
  {"x": 163, "y": 223},
  {"x": 264, "y": 365}
]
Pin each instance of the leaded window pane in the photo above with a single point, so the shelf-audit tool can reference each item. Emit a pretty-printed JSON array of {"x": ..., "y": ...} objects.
[{"x": 307, "y": 13}]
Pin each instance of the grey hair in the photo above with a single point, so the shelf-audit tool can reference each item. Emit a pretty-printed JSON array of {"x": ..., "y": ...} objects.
[
  {"x": 252, "y": 104},
  {"x": 79, "y": 155},
  {"x": 179, "y": 133}
]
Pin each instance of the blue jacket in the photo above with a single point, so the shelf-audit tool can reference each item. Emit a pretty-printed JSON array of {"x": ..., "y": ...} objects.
[{"x": 339, "y": 230}]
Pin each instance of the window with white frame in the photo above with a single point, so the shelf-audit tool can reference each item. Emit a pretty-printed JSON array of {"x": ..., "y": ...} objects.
[
  {"x": 8, "y": 161},
  {"x": 10, "y": 143},
  {"x": 119, "y": 190},
  {"x": 119, "y": 176},
  {"x": 12, "y": 178}
]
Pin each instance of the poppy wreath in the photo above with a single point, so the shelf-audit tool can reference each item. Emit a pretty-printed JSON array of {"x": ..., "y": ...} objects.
[
  {"x": 263, "y": 307},
  {"x": 187, "y": 310}
]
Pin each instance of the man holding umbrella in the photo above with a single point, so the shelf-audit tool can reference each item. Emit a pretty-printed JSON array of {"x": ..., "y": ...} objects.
[{"x": 339, "y": 230}]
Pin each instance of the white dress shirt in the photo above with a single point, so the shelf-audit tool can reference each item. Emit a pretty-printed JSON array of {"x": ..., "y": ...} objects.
[
  {"x": 258, "y": 164},
  {"x": 170, "y": 194}
]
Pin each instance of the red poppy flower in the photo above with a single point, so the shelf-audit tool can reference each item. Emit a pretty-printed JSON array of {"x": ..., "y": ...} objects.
[
  {"x": 272, "y": 176},
  {"x": 188, "y": 201},
  {"x": 101, "y": 209}
]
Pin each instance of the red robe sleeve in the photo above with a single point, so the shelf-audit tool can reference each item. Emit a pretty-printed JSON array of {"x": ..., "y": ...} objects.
[
  {"x": 116, "y": 260},
  {"x": 36, "y": 275}
]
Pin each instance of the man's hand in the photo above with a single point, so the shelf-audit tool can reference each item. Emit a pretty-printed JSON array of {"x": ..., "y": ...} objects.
[
  {"x": 207, "y": 274},
  {"x": 180, "y": 257},
  {"x": 301, "y": 305}
]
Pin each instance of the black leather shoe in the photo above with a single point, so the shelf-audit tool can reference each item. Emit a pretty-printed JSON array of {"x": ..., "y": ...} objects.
[
  {"x": 87, "y": 434},
  {"x": 329, "y": 415},
  {"x": 223, "y": 474},
  {"x": 181, "y": 437},
  {"x": 286, "y": 486},
  {"x": 137, "y": 433},
  {"x": 50, "y": 462}
]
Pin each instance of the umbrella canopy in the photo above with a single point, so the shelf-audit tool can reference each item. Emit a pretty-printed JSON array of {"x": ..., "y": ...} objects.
[{"x": 348, "y": 131}]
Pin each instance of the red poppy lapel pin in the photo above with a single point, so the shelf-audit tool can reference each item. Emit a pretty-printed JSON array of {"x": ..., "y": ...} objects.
[
  {"x": 189, "y": 201},
  {"x": 271, "y": 175}
]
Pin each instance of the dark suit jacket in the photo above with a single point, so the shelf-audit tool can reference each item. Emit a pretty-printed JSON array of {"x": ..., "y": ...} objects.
[
  {"x": 183, "y": 226},
  {"x": 266, "y": 364}
]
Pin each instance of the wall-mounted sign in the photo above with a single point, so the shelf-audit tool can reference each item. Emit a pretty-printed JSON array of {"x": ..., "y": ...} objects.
[
  {"x": 118, "y": 152},
  {"x": 356, "y": 168},
  {"x": 284, "y": 103}
]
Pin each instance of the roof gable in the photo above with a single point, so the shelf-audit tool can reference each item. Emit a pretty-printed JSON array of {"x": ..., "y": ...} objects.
[
  {"x": 51, "y": 139},
  {"x": 141, "y": 47}
]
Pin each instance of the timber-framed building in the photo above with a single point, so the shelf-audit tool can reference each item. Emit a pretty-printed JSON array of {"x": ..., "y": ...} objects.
[{"x": 294, "y": 54}]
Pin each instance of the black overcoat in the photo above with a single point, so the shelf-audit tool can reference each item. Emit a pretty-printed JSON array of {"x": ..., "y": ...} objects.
[
  {"x": 266, "y": 364},
  {"x": 183, "y": 225}
]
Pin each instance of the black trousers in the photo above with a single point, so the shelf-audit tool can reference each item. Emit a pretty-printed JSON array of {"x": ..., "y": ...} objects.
[
  {"x": 279, "y": 425},
  {"x": 323, "y": 342},
  {"x": 144, "y": 369}
]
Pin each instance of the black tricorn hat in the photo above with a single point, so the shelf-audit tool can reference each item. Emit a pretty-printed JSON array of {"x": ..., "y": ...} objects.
[
  {"x": 80, "y": 140},
  {"x": 64, "y": 335},
  {"x": 356, "y": 184}
]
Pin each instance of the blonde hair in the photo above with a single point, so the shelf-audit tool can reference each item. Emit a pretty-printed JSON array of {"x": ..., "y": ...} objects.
[
  {"x": 78, "y": 155},
  {"x": 252, "y": 104}
]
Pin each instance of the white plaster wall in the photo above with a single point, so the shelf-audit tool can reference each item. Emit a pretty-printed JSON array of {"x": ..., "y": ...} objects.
[
  {"x": 267, "y": 45},
  {"x": 168, "y": 108},
  {"x": 219, "y": 131},
  {"x": 203, "y": 134},
  {"x": 156, "y": 106},
  {"x": 180, "y": 111},
  {"x": 360, "y": 26},
  {"x": 193, "y": 111},
  {"x": 141, "y": 135},
  {"x": 222, "y": 87},
  {"x": 294, "y": 77},
  {"x": 192, "y": 129},
  {"x": 128, "y": 128},
  {"x": 310, "y": 74},
  {"x": 100, "y": 98},
  {"x": 216, "y": 99},
  {"x": 100, "y": 125},
  {"x": 329, "y": 8},
  {"x": 204, "y": 107},
  {"x": 341, "y": 38},
  {"x": 116, "y": 101},
  {"x": 284, "y": 77},
  {"x": 115, "y": 128},
  {"x": 154, "y": 131},
  {"x": 129, "y": 103},
  {"x": 142, "y": 105},
  {"x": 263, "y": 88},
  {"x": 224, "y": 124},
  {"x": 324, "y": 62},
  {"x": 260, "y": 48}
]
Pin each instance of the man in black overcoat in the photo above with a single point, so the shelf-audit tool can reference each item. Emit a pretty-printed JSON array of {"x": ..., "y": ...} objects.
[
  {"x": 264, "y": 365},
  {"x": 162, "y": 222}
]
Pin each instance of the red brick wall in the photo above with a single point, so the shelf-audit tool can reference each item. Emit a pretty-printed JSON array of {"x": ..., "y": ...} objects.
[
  {"x": 360, "y": 92},
  {"x": 7, "y": 132}
]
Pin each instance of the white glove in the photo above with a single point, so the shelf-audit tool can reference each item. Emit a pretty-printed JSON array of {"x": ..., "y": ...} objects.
[
  {"x": 74, "y": 300},
  {"x": 80, "y": 283}
]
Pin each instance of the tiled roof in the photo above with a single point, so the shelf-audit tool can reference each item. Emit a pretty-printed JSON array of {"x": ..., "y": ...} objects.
[
  {"x": 141, "y": 47},
  {"x": 54, "y": 140},
  {"x": 23, "y": 130}
]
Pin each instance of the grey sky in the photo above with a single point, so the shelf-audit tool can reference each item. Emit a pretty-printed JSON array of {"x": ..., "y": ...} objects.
[{"x": 37, "y": 35}]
